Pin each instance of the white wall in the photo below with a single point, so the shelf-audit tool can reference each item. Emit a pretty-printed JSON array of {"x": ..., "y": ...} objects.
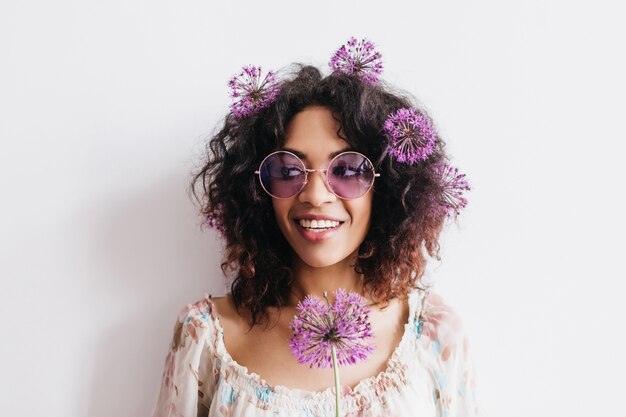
[{"x": 104, "y": 107}]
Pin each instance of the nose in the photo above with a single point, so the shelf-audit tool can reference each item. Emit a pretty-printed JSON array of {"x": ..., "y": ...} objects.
[{"x": 315, "y": 192}]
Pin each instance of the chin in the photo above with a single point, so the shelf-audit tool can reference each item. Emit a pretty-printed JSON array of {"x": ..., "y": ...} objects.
[
  {"x": 322, "y": 260},
  {"x": 319, "y": 263}
]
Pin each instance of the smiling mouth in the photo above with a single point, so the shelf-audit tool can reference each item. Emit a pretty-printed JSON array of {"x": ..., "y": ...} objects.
[{"x": 317, "y": 226}]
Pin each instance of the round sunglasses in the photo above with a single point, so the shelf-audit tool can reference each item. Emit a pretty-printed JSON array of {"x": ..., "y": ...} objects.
[{"x": 349, "y": 175}]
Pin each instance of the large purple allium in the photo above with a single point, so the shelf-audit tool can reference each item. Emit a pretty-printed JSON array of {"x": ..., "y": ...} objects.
[
  {"x": 411, "y": 135},
  {"x": 358, "y": 58},
  {"x": 452, "y": 186},
  {"x": 320, "y": 326},
  {"x": 252, "y": 92}
]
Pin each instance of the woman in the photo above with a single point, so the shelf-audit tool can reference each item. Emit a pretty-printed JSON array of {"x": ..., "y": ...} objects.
[{"x": 318, "y": 184}]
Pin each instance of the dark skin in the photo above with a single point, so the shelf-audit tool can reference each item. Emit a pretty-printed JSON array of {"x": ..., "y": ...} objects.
[{"x": 264, "y": 350}]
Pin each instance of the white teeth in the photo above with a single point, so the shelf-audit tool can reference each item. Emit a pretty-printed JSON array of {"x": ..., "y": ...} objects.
[{"x": 318, "y": 224}]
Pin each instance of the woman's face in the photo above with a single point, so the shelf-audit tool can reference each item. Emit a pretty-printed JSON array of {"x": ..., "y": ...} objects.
[{"x": 312, "y": 135}]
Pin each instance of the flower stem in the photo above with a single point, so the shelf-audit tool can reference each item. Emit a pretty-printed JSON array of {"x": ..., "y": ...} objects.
[{"x": 336, "y": 371}]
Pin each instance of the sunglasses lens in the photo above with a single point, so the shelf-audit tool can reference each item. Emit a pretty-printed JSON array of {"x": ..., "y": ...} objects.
[
  {"x": 282, "y": 175},
  {"x": 350, "y": 175}
]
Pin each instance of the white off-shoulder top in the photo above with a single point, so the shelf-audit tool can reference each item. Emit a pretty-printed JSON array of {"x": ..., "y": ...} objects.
[{"x": 430, "y": 373}]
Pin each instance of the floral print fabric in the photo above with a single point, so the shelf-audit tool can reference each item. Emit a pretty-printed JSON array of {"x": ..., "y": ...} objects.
[{"x": 430, "y": 373}]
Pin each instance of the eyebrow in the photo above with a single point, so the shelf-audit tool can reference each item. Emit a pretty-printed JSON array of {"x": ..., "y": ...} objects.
[{"x": 330, "y": 155}]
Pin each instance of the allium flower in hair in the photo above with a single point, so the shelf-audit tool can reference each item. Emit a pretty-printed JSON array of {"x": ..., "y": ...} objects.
[
  {"x": 214, "y": 220},
  {"x": 452, "y": 186},
  {"x": 411, "y": 135},
  {"x": 321, "y": 326},
  {"x": 251, "y": 91},
  {"x": 358, "y": 58}
]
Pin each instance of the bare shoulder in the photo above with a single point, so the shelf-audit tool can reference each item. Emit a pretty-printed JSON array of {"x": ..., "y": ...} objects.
[
  {"x": 231, "y": 321},
  {"x": 221, "y": 304},
  {"x": 224, "y": 307}
]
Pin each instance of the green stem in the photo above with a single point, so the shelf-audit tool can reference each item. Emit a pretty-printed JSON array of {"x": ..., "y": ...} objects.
[{"x": 336, "y": 370}]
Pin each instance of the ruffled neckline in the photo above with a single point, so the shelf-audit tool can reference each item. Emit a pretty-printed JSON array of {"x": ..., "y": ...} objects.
[{"x": 367, "y": 389}]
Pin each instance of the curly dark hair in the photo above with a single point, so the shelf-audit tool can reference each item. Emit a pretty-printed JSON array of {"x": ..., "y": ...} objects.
[{"x": 404, "y": 227}]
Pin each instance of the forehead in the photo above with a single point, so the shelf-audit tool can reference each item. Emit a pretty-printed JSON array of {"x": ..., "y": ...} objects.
[{"x": 313, "y": 131}]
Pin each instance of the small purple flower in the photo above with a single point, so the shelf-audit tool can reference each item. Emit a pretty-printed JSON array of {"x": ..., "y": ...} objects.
[
  {"x": 358, "y": 58},
  {"x": 214, "y": 220},
  {"x": 452, "y": 185},
  {"x": 251, "y": 91},
  {"x": 320, "y": 326},
  {"x": 411, "y": 135}
]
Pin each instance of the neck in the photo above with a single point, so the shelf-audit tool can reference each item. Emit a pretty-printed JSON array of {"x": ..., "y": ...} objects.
[{"x": 315, "y": 280}]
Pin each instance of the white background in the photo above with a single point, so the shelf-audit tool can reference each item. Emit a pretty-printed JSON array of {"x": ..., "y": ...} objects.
[{"x": 104, "y": 109}]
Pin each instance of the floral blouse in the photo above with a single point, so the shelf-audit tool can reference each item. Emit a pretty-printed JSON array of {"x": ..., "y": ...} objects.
[{"x": 430, "y": 373}]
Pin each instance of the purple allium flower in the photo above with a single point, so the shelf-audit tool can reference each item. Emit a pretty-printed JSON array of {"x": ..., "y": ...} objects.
[
  {"x": 251, "y": 91},
  {"x": 319, "y": 326},
  {"x": 411, "y": 135},
  {"x": 452, "y": 185},
  {"x": 214, "y": 220},
  {"x": 358, "y": 58}
]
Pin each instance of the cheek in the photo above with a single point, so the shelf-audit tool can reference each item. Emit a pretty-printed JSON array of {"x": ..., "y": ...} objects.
[
  {"x": 361, "y": 211},
  {"x": 281, "y": 212}
]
